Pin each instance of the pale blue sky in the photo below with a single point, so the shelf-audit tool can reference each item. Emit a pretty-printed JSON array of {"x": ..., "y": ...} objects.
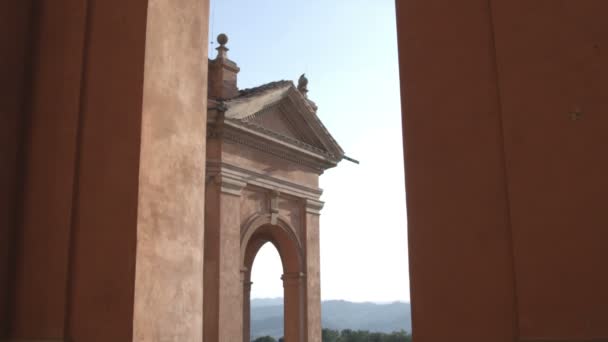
[{"x": 348, "y": 50}]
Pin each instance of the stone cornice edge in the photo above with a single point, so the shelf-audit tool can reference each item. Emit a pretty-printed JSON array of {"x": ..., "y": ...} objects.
[
  {"x": 245, "y": 176},
  {"x": 313, "y": 206},
  {"x": 229, "y": 185}
]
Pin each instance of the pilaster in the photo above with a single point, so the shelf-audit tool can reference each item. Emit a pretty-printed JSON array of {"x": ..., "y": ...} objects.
[
  {"x": 223, "y": 290},
  {"x": 230, "y": 185},
  {"x": 246, "y": 283},
  {"x": 294, "y": 311},
  {"x": 313, "y": 270}
]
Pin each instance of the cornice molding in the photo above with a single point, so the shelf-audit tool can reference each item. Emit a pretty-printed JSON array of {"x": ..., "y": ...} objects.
[
  {"x": 313, "y": 120},
  {"x": 246, "y": 176},
  {"x": 313, "y": 206},
  {"x": 259, "y": 138},
  {"x": 298, "y": 143},
  {"x": 236, "y": 132},
  {"x": 229, "y": 185}
]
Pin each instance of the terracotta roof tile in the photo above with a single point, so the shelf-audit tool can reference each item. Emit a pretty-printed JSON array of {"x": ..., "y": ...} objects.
[{"x": 264, "y": 87}]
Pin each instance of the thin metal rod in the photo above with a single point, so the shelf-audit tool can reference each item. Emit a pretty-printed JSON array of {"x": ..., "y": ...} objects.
[{"x": 351, "y": 159}]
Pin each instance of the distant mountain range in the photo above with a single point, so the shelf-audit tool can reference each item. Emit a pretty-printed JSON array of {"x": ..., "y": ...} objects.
[{"x": 267, "y": 316}]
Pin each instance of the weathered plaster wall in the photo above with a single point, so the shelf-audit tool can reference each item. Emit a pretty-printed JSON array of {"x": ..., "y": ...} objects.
[
  {"x": 41, "y": 280},
  {"x": 170, "y": 227},
  {"x": 230, "y": 321},
  {"x": 15, "y": 38},
  {"x": 214, "y": 149},
  {"x": 211, "y": 261},
  {"x": 103, "y": 237},
  {"x": 253, "y": 201},
  {"x": 313, "y": 278},
  {"x": 75, "y": 257},
  {"x": 223, "y": 288},
  {"x": 75, "y": 270},
  {"x": 458, "y": 220},
  {"x": 505, "y": 181},
  {"x": 292, "y": 209},
  {"x": 552, "y": 58}
]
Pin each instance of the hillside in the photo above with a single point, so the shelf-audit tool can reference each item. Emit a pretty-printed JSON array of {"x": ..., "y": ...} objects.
[{"x": 267, "y": 316}]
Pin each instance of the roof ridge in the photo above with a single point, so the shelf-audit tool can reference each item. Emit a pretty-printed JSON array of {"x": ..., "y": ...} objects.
[
  {"x": 267, "y": 86},
  {"x": 328, "y": 141}
]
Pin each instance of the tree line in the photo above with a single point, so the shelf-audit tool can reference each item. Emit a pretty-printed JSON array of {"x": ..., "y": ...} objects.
[{"x": 348, "y": 335}]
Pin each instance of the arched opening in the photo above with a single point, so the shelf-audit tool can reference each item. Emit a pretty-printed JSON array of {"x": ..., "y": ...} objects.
[
  {"x": 266, "y": 301},
  {"x": 283, "y": 238}
]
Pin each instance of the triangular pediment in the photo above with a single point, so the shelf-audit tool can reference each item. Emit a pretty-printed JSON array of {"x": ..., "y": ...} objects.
[
  {"x": 280, "y": 109},
  {"x": 282, "y": 118}
]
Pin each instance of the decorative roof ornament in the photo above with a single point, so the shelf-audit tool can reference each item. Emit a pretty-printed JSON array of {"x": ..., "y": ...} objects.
[
  {"x": 222, "y": 50},
  {"x": 303, "y": 85},
  {"x": 222, "y": 77}
]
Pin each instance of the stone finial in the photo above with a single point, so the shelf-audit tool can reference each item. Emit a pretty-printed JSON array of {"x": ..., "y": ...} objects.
[
  {"x": 222, "y": 77},
  {"x": 303, "y": 84},
  {"x": 222, "y": 39},
  {"x": 222, "y": 50}
]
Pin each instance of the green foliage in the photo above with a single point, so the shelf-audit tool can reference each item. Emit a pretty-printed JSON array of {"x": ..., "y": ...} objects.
[
  {"x": 348, "y": 335},
  {"x": 265, "y": 339},
  {"x": 328, "y": 335}
]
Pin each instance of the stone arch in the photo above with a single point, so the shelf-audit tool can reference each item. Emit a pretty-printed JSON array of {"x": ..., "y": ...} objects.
[
  {"x": 262, "y": 228},
  {"x": 266, "y": 228}
]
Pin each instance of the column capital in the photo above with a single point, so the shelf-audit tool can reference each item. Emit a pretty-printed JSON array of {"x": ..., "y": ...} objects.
[
  {"x": 229, "y": 185},
  {"x": 313, "y": 206}
]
